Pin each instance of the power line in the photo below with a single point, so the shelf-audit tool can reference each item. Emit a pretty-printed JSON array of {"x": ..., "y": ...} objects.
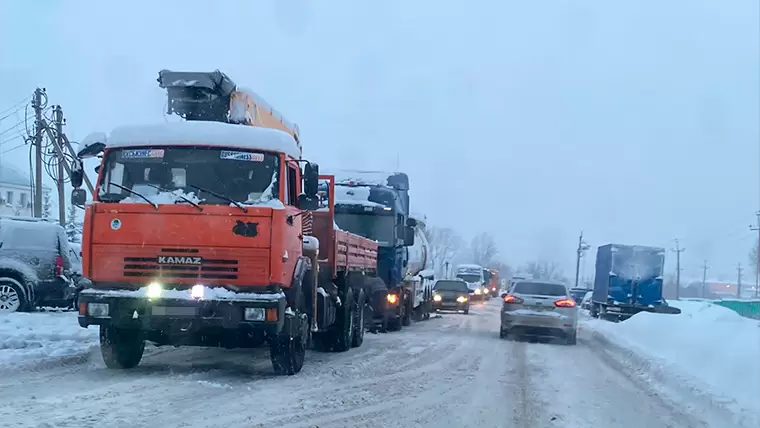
[{"x": 13, "y": 148}]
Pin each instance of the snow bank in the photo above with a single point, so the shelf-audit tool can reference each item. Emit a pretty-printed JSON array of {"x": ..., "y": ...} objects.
[
  {"x": 31, "y": 339},
  {"x": 707, "y": 348}
]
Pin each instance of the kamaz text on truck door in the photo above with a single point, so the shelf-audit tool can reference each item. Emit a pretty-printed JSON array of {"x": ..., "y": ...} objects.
[{"x": 205, "y": 232}]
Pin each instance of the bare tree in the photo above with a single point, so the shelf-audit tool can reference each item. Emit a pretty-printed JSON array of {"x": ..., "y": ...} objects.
[
  {"x": 445, "y": 246},
  {"x": 545, "y": 270},
  {"x": 753, "y": 261},
  {"x": 483, "y": 249}
]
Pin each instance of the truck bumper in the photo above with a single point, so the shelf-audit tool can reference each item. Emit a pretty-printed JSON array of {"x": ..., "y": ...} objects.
[{"x": 171, "y": 317}]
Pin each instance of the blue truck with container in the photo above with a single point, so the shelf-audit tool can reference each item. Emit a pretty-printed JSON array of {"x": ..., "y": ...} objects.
[{"x": 628, "y": 280}]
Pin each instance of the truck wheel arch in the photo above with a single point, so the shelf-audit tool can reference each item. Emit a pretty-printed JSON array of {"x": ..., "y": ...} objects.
[
  {"x": 303, "y": 266},
  {"x": 22, "y": 282}
]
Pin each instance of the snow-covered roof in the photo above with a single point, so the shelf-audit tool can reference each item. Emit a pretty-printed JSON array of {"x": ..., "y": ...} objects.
[
  {"x": 14, "y": 177},
  {"x": 469, "y": 266},
  {"x": 367, "y": 178},
  {"x": 214, "y": 134}
]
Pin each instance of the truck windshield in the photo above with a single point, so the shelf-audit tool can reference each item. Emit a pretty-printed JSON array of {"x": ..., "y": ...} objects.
[
  {"x": 469, "y": 277},
  {"x": 243, "y": 176},
  {"x": 376, "y": 227}
]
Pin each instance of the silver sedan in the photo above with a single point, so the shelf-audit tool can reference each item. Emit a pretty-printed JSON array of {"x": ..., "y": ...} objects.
[{"x": 542, "y": 309}]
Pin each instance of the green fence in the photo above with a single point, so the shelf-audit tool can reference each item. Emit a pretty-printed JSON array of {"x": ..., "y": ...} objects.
[{"x": 745, "y": 308}]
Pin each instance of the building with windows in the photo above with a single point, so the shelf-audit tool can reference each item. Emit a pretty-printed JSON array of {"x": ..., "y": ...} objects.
[{"x": 16, "y": 192}]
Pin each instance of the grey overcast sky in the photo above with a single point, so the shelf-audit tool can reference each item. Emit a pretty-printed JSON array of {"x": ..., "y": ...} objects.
[{"x": 635, "y": 120}]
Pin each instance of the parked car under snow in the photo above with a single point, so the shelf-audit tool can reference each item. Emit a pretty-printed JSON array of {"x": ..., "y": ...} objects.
[{"x": 35, "y": 265}]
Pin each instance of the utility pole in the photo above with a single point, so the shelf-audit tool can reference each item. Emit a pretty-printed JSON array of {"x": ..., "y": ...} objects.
[
  {"x": 37, "y": 106},
  {"x": 757, "y": 254},
  {"x": 704, "y": 279},
  {"x": 582, "y": 246},
  {"x": 678, "y": 250},
  {"x": 58, "y": 120},
  {"x": 739, "y": 270}
]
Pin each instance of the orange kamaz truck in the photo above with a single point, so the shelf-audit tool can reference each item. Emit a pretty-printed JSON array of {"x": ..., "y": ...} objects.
[{"x": 210, "y": 232}]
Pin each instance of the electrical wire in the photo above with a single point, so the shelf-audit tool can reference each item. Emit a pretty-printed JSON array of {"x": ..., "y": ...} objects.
[{"x": 17, "y": 104}]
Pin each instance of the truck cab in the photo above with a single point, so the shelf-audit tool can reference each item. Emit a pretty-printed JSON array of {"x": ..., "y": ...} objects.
[
  {"x": 375, "y": 205},
  {"x": 203, "y": 232},
  {"x": 474, "y": 276}
]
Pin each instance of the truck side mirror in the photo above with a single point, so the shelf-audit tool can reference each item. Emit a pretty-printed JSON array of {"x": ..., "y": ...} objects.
[
  {"x": 77, "y": 174},
  {"x": 307, "y": 203},
  {"x": 78, "y": 197},
  {"x": 411, "y": 222},
  {"x": 409, "y": 236},
  {"x": 92, "y": 145},
  {"x": 311, "y": 179}
]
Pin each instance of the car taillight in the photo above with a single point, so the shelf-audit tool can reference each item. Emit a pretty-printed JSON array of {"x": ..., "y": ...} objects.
[
  {"x": 512, "y": 299},
  {"x": 58, "y": 266},
  {"x": 565, "y": 303}
]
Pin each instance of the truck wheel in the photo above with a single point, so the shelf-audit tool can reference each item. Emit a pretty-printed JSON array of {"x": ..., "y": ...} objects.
[
  {"x": 121, "y": 348},
  {"x": 467, "y": 310},
  {"x": 358, "y": 338},
  {"x": 287, "y": 355},
  {"x": 395, "y": 323},
  {"x": 344, "y": 331},
  {"x": 406, "y": 320}
]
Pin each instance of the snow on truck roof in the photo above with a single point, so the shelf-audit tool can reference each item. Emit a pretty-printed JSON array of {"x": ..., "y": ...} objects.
[
  {"x": 367, "y": 178},
  {"x": 214, "y": 134}
]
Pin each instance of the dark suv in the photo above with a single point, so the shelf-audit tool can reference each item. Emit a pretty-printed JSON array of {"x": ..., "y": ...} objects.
[
  {"x": 35, "y": 265},
  {"x": 451, "y": 294}
]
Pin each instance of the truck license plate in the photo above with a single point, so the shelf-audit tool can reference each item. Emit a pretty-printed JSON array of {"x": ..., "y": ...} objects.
[{"x": 175, "y": 311}]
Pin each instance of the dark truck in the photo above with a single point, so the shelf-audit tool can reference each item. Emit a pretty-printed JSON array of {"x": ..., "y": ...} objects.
[
  {"x": 375, "y": 205},
  {"x": 628, "y": 280}
]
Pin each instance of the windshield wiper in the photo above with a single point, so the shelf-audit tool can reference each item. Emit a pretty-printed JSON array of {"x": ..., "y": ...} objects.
[
  {"x": 155, "y": 205},
  {"x": 218, "y": 195},
  {"x": 179, "y": 196}
]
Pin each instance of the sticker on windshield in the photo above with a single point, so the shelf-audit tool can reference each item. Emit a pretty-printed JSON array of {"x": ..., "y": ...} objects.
[
  {"x": 142, "y": 153},
  {"x": 241, "y": 156}
]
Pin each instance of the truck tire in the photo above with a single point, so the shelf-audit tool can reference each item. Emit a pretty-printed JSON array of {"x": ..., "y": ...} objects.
[
  {"x": 121, "y": 348},
  {"x": 343, "y": 334},
  {"x": 394, "y": 323},
  {"x": 358, "y": 338},
  {"x": 406, "y": 319},
  {"x": 287, "y": 354}
]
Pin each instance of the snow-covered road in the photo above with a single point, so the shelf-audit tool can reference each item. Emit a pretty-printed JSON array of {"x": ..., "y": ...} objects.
[{"x": 451, "y": 371}]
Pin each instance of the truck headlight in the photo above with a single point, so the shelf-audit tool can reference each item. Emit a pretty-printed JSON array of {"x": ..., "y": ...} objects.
[
  {"x": 461, "y": 299},
  {"x": 437, "y": 298},
  {"x": 478, "y": 291},
  {"x": 254, "y": 314},
  {"x": 197, "y": 291},
  {"x": 154, "y": 290},
  {"x": 97, "y": 310},
  {"x": 392, "y": 299}
]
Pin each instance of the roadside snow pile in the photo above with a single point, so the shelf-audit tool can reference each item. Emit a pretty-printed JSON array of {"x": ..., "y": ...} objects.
[
  {"x": 708, "y": 349},
  {"x": 31, "y": 339}
]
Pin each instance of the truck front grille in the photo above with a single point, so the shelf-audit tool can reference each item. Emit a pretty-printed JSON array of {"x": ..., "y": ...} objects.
[{"x": 180, "y": 264}]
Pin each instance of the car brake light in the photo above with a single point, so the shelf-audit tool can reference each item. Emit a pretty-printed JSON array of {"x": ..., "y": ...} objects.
[
  {"x": 565, "y": 303},
  {"x": 58, "y": 266},
  {"x": 512, "y": 299}
]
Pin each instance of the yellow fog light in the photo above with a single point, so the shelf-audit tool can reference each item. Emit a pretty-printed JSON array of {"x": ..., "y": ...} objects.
[
  {"x": 392, "y": 299},
  {"x": 461, "y": 299}
]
